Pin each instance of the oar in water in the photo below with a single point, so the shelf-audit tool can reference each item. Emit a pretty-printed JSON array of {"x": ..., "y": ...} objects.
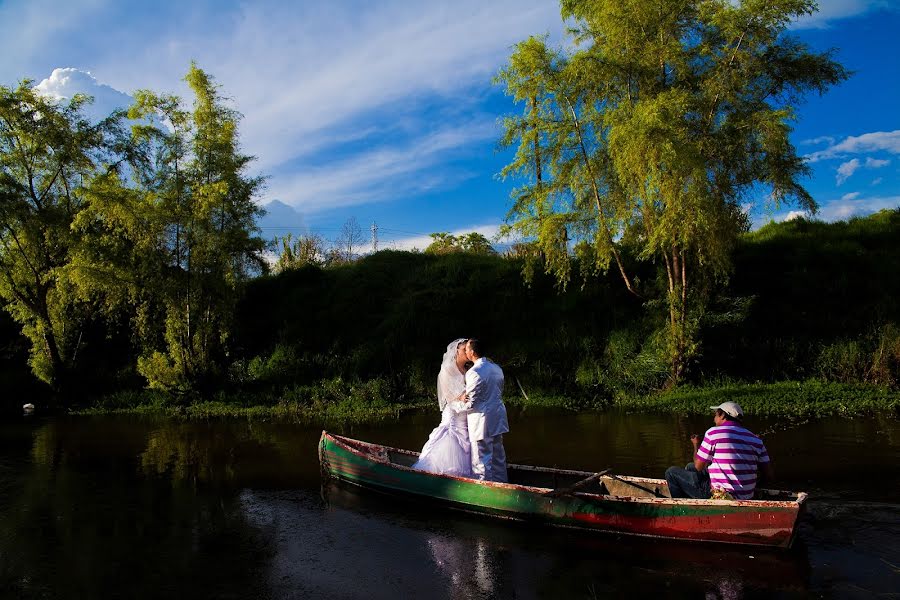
[{"x": 562, "y": 491}]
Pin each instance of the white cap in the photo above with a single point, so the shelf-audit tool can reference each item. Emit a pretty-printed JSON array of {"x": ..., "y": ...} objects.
[{"x": 732, "y": 409}]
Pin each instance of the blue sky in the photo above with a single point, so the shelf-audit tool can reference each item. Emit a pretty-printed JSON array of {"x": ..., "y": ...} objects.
[{"x": 385, "y": 111}]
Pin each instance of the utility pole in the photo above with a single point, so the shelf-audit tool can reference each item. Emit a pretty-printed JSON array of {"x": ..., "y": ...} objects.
[{"x": 374, "y": 236}]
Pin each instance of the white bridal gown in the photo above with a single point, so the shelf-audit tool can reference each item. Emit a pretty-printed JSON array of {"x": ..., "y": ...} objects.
[{"x": 448, "y": 450}]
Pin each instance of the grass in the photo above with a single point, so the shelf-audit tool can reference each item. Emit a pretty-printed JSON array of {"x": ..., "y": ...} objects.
[
  {"x": 812, "y": 398},
  {"x": 337, "y": 401}
]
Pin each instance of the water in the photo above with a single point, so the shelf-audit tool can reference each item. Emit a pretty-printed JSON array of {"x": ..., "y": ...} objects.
[{"x": 147, "y": 508}]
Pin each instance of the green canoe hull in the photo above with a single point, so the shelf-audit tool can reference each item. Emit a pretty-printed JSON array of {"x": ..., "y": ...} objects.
[{"x": 753, "y": 522}]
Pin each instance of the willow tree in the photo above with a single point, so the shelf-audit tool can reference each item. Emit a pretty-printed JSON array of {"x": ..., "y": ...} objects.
[
  {"x": 48, "y": 153},
  {"x": 174, "y": 238},
  {"x": 665, "y": 118}
]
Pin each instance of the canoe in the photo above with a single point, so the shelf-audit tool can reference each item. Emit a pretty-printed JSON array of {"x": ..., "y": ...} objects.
[{"x": 608, "y": 503}]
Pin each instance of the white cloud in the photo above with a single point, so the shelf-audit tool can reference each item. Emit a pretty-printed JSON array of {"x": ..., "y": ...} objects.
[
  {"x": 64, "y": 83},
  {"x": 29, "y": 28},
  {"x": 850, "y": 196},
  {"x": 796, "y": 214},
  {"x": 382, "y": 173},
  {"x": 874, "y": 163},
  {"x": 835, "y": 10},
  {"x": 845, "y": 208},
  {"x": 824, "y": 139},
  {"x": 420, "y": 242},
  {"x": 877, "y": 180},
  {"x": 847, "y": 169},
  {"x": 885, "y": 141}
]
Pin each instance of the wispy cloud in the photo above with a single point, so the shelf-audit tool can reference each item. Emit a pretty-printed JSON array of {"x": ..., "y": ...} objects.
[
  {"x": 847, "y": 169},
  {"x": 383, "y": 173},
  {"x": 333, "y": 82},
  {"x": 835, "y": 10},
  {"x": 420, "y": 242},
  {"x": 823, "y": 139},
  {"x": 850, "y": 205},
  {"x": 884, "y": 141},
  {"x": 846, "y": 208}
]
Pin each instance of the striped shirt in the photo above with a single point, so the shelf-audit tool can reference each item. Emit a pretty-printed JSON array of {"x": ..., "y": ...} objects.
[{"x": 734, "y": 453}]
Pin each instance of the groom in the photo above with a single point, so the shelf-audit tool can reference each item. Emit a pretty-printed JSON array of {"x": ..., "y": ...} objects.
[{"x": 487, "y": 415}]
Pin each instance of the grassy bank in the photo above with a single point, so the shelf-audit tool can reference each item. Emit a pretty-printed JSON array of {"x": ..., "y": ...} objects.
[
  {"x": 335, "y": 400},
  {"x": 790, "y": 399}
]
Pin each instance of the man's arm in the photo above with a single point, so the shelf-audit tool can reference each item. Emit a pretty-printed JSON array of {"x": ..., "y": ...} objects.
[
  {"x": 474, "y": 388},
  {"x": 699, "y": 463}
]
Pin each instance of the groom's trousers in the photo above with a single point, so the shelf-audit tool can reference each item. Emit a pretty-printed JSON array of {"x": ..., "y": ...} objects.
[{"x": 489, "y": 459}]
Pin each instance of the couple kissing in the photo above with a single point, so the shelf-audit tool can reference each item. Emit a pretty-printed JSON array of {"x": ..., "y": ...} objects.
[{"x": 469, "y": 440}]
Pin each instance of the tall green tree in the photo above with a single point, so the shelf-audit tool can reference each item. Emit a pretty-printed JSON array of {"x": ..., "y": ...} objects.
[
  {"x": 665, "y": 118},
  {"x": 49, "y": 154},
  {"x": 177, "y": 238}
]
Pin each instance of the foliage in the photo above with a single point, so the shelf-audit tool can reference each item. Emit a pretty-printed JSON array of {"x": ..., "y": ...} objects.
[
  {"x": 794, "y": 399},
  {"x": 174, "y": 242},
  {"x": 304, "y": 250},
  {"x": 651, "y": 133},
  {"x": 49, "y": 154},
  {"x": 472, "y": 242}
]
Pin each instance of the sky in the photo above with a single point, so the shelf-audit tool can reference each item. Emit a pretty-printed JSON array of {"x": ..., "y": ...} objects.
[{"x": 386, "y": 111}]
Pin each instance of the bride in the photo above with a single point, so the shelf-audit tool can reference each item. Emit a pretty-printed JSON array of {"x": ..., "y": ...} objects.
[{"x": 448, "y": 450}]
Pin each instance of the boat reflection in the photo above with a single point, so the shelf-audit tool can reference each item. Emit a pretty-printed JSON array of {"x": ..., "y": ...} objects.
[{"x": 482, "y": 557}]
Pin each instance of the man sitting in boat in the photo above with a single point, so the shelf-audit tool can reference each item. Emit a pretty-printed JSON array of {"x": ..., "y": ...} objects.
[{"x": 726, "y": 463}]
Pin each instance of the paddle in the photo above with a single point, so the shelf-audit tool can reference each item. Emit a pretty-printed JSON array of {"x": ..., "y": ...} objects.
[{"x": 562, "y": 491}]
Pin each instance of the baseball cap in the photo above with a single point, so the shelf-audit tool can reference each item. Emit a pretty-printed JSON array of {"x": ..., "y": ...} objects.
[{"x": 730, "y": 408}]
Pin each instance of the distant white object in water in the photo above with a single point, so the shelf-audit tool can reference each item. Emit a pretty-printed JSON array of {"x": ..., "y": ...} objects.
[{"x": 28, "y": 408}]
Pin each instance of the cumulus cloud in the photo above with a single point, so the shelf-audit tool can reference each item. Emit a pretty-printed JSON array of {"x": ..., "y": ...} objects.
[
  {"x": 877, "y": 141},
  {"x": 847, "y": 169},
  {"x": 796, "y": 214},
  {"x": 64, "y": 83}
]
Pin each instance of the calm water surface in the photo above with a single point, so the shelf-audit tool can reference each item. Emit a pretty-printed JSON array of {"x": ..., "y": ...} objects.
[{"x": 146, "y": 508}]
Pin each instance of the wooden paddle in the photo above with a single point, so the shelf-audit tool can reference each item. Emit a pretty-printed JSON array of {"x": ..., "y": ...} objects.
[{"x": 562, "y": 491}]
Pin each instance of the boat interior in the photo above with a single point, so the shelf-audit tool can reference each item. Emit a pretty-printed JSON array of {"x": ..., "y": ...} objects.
[{"x": 562, "y": 480}]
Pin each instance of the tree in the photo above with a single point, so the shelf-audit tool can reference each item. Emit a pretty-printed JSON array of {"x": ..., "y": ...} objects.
[
  {"x": 349, "y": 242},
  {"x": 442, "y": 243},
  {"x": 446, "y": 243},
  {"x": 49, "y": 153},
  {"x": 653, "y": 131},
  {"x": 177, "y": 238},
  {"x": 304, "y": 250}
]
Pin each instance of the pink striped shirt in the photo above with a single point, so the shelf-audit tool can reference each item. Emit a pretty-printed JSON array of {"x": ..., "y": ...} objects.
[{"x": 734, "y": 453}]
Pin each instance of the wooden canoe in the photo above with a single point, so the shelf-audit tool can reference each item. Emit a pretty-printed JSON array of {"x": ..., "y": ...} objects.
[{"x": 610, "y": 503}]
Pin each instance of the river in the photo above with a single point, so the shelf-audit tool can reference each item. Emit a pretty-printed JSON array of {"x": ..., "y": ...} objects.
[{"x": 140, "y": 507}]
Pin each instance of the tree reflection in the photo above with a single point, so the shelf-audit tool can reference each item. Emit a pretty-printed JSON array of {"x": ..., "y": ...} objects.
[{"x": 82, "y": 518}]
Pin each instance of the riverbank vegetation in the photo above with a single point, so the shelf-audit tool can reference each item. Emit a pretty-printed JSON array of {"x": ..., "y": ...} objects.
[{"x": 133, "y": 277}]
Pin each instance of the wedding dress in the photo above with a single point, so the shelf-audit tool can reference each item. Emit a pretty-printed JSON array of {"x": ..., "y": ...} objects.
[{"x": 448, "y": 450}]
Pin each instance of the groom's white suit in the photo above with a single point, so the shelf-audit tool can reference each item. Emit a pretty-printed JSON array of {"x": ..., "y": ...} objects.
[{"x": 487, "y": 420}]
